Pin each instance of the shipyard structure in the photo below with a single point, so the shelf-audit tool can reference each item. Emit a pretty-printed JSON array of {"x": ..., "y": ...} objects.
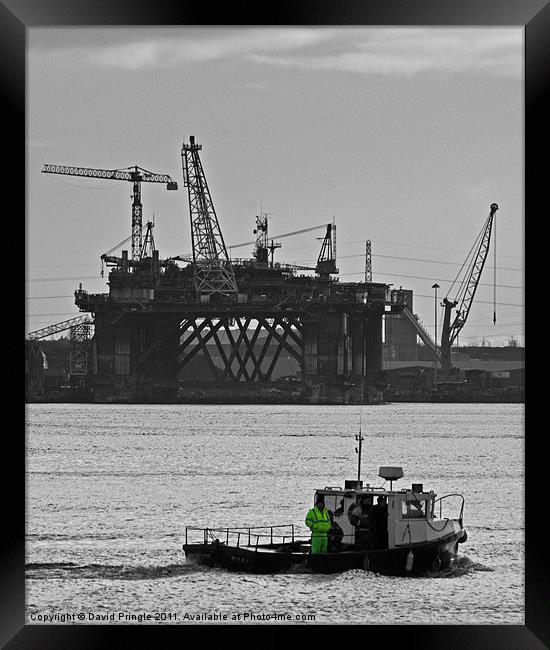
[{"x": 205, "y": 327}]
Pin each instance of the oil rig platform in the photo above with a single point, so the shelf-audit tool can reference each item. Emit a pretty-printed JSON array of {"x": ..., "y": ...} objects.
[{"x": 205, "y": 327}]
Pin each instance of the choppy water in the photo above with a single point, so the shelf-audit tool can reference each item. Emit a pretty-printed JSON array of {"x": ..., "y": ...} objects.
[{"x": 110, "y": 489}]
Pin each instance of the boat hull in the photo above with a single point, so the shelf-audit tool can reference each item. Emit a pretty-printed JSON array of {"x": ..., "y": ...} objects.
[{"x": 427, "y": 557}]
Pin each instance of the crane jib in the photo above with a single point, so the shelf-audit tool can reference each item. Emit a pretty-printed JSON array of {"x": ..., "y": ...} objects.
[{"x": 111, "y": 174}]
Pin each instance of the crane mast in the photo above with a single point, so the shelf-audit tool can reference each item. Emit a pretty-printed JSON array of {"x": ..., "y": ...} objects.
[
  {"x": 136, "y": 175},
  {"x": 368, "y": 261},
  {"x": 213, "y": 272},
  {"x": 137, "y": 220},
  {"x": 466, "y": 294}
]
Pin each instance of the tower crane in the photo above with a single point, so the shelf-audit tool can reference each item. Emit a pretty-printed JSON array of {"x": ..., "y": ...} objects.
[
  {"x": 135, "y": 175},
  {"x": 467, "y": 290}
]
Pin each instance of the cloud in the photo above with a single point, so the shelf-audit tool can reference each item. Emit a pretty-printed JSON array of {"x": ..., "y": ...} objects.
[
  {"x": 410, "y": 52},
  {"x": 369, "y": 50},
  {"x": 199, "y": 48}
]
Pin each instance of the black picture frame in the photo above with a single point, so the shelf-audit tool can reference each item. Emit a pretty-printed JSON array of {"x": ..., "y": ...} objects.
[{"x": 16, "y": 16}]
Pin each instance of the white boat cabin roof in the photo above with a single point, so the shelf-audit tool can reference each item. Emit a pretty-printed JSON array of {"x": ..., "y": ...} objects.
[
  {"x": 356, "y": 488},
  {"x": 368, "y": 490}
]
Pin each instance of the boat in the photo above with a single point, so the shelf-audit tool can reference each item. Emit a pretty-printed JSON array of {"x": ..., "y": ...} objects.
[
  {"x": 410, "y": 535},
  {"x": 406, "y": 532}
]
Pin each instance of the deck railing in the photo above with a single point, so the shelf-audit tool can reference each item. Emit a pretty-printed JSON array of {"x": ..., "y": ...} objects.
[{"x": 251, "y": 536}]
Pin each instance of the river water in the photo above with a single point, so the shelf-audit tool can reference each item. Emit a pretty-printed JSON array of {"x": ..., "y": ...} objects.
[{"x": 111, "y": 488}]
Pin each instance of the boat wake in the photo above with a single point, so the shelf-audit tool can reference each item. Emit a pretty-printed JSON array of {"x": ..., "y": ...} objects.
[
  {"x": 461, "y": 566},
  {"x": 70, "y": 570},
  {"x": 296, "y": 569}
]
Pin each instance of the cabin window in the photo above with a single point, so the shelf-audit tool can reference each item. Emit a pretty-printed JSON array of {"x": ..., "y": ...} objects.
[
  {"x": 330, "y": 502},
  {"x": 414, "y": 509}
]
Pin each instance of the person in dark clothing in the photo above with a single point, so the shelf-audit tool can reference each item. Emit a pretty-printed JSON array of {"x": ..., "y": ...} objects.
[
  {"x": 335, "y": 535},
  {"x": 360, "y": 515},
  {"x": 380, "y": 522},
  {"x": 340, "y": 509}
]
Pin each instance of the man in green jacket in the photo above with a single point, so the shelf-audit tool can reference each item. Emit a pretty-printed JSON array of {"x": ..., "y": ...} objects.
[{"x": 319, "y": 522}]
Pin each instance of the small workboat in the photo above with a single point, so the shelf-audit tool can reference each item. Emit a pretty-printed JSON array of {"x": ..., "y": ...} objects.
[
  {"x": 391, "y": 532},
  {"x": 409, "y": 534}
]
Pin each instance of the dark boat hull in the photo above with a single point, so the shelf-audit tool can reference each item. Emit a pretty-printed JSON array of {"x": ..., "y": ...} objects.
[{"x": 429, "y": 556}]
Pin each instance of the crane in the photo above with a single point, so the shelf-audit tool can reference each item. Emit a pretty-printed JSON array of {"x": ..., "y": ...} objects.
[
  {"x": 467, "y": 290},
  {"x": 326, "y": 261},
  {"x": 135, "y": 175},
  {"x": 187, "y": 257},
  {"x": 58, "y": 327},
  {"x": 147, "y": 248}
]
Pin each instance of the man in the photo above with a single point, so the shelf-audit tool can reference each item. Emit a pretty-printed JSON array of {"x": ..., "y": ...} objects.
[
  {"x": 359, "y": 515},
  {"x": 335, "y": 534},
  {"x": 380, "y": 521},
  {"x": 318, "y": 520}
]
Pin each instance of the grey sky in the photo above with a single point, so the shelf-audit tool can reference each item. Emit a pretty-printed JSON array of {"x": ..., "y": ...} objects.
[{"x": 405, "y": 135}]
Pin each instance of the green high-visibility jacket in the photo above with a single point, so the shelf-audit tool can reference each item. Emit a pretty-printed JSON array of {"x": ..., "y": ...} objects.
[{"x": 318, "y": 521}]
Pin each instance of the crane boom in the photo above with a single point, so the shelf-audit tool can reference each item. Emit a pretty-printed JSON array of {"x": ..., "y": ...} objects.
[
  {"x": 186, "y": 257},
  {"x": 466, "y": 293},
  {"x": 286, "y": 234},
  {"x": 135, "y": 175},
  {"x": 58, "y": 327}
]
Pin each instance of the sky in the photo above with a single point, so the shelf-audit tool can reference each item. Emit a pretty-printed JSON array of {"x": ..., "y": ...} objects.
[{"x": 403, "y": 136}]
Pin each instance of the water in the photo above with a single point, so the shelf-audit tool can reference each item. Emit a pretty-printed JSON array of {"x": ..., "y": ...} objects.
[{"x": 110, "y": 489}]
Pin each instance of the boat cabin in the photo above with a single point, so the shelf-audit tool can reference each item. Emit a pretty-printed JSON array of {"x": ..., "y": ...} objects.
[{"x": 380, "y": 519}]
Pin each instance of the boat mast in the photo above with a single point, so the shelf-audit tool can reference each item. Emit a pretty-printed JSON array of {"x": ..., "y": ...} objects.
[
  {"x": 358, "y": 450},
  {"x": 360, "y": 439}
]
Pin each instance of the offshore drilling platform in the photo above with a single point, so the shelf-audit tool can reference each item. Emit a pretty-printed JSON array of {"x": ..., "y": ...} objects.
[{"x": 206, "y": 327}]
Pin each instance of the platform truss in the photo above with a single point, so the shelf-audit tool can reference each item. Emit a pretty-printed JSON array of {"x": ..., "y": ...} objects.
[
  {"x": 80, "y": 349},
  {"x": 250, "y": 347}
]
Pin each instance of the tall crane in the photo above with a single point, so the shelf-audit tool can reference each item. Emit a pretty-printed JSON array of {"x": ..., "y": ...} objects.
[
  {"x": 135, "y": 175},
  {"x": 326, "y": 261},
  {"x": 212, "y": 267},
  {"x": 467, "y": 290}
]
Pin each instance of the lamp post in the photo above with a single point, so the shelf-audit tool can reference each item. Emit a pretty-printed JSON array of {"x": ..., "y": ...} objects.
[{"x": 435, "y": 287}]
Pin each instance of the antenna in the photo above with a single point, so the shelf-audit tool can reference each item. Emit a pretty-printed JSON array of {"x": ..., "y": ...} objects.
[{"x": 495, "y": 273}]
